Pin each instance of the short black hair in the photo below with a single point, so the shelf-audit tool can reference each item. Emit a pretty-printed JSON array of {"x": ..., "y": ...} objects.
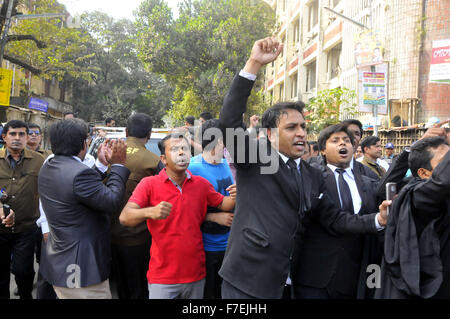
[
  {"x": 139, "y": 125},
  {"x": 109, "y": 120},
  {"x": 271, "y": 117},
  {"x": 34, "y": 125},
  {"x": 330, "y": 130},
  {"x": 354, "y": 122},
  {"x": 421, "y": 154},
  {"x": 209, "y": 142},
  {"x": 176, "y": 135},
  {"x": 315, "y": 146},
  {"x": 190, "y": 119},
  {"x": 206, "y": 116},
  {"x": 68, "y": 137},
  {"x": 368, "y": 142},
  {"x": 15, "y": 124}
]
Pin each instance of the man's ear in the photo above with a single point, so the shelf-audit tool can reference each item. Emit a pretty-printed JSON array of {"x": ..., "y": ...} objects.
[
  {"x": 163, "y": 159},
  {"x": 271, "y": 135},
  {"x": 424, "y": 173}
]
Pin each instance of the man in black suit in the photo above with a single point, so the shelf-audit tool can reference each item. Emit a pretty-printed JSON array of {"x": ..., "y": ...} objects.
[
  {"x": 77, "y": 257},
  {"x": 276, "y": 189},
  {"x": 416, "y": 262},
  {"x": 347, "y": 256}
]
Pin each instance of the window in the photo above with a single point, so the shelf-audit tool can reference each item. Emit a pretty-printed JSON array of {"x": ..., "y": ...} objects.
[
  {"x": 310, "y": 76},
  {"x": 296, "y": 32},
  {"x": 284, "y": 47},
  {"x": 293, "y": 86},
  {"x": 333, "y": 67},
  {"x": 313, "y": 14},
  {"x": 281, "y": 89}
]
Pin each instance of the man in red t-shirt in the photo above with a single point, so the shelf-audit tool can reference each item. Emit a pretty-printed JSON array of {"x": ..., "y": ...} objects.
[{"x": 174, "y": 204}]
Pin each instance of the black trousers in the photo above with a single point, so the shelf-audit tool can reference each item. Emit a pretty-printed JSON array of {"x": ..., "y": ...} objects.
[
  {"x": 213, "y": 282},
  {"x": 17, "y": 256},
  {"x": 231, "y": 292},
  {"x": 305, "y": 292},
  {"x": 129, "y": 270}
]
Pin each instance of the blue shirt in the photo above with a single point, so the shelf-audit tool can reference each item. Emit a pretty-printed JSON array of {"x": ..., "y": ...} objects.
[{"x": 219, "y": 175}]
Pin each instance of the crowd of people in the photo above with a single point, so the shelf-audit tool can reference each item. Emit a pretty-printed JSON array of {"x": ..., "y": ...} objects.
[{"x": 227, "y": 211}]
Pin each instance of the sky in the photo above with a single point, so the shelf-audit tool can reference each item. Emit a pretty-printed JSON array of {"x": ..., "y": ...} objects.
[{"x": 114, "y": 8}]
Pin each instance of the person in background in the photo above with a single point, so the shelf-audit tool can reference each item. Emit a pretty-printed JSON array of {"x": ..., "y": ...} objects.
[
  {"x": 390, "y": 156},
  {"x": 216, "y": 228},
  {"x": 110, "y": 122},
  {"x": 313, "y": 148},
  {"x": 205, "y": 116},
  {"x": 358, "y": 153},
  {"x": 69, "y": 115},
  {"x": 307, "y": 153},
  {"x": 19, "y": 170},
  {"x": 34, "y": 140},
  {"x": 371, "y": 148}
]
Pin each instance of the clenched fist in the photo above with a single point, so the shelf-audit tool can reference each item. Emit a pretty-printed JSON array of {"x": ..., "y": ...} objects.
[{"x": 161, "y": 211}]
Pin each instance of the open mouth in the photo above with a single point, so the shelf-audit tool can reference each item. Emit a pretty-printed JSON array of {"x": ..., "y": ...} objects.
[
  {"x": 300, "y": 144},
  {"x": 343, "y": 152}
]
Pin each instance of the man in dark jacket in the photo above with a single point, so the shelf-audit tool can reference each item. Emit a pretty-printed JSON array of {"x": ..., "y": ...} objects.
[
  {"x": 347, "y": 256},
  {"x": 276, "y": 189},
  {"x": 19, "y": 168},
  {"x": 77, "y": 257},
  {"x": 416, "y": 261}
]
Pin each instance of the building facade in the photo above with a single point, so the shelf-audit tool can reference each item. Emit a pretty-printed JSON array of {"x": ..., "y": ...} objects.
[{"x": 321, "y": 52}]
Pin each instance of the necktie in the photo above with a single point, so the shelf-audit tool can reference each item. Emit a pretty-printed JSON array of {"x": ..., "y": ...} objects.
[
  {"x": 344, "y": 190},
  {"x": 294, "y": 169}
]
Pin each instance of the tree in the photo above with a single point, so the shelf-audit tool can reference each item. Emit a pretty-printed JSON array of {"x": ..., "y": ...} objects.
[
  {"x": 120, "y": 83},
  {"x": 65, "y": 47},
  {"x": 201, "y": 50},
  {"x": 324, "y": 109}
]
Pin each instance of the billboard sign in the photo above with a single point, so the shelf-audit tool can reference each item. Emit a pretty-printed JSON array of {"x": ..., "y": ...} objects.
[{"x": 440, "y": 62}]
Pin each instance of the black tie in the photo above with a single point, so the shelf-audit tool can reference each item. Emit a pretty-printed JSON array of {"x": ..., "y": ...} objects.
[
  {"x": 294, "y": 169},
  {"x": 344, "y": 190}
]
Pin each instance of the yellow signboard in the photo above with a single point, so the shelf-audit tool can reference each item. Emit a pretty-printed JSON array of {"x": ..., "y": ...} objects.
[{"x": 5, "y": 86}]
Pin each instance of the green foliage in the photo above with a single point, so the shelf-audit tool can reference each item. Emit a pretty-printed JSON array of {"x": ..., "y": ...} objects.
[
  {"x": 65, "y": 47},
  {"x": 324, "y": 109},
  {"x": 120, "y": 83},
  {"x": 201, "y": 50}
]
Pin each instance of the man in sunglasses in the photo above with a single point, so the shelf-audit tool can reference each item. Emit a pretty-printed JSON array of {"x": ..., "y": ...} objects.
[{"x": 34, "y": 140}]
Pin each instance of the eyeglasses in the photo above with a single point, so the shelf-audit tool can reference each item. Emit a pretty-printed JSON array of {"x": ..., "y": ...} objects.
[{"x": 31, "y": 132}]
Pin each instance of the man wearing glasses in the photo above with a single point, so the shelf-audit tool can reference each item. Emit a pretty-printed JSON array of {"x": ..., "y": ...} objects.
[
  {"x": 34, "y": 140},
  {"x": 19, "y": 169}
]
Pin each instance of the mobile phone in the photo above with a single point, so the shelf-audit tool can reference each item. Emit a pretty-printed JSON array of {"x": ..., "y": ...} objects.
[
  {"x": 391, "y": 191},
  {"x": 6, "y": 210}
]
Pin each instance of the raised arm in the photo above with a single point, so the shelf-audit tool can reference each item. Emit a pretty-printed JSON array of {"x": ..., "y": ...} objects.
[{"x": 133, "y": 215}]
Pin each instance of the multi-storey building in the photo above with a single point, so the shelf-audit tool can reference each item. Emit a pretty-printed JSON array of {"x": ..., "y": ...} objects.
[{"x": 319, "y": 53}]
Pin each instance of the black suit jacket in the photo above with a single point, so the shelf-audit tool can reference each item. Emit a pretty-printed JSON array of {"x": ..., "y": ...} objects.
[
  {"x": 268, "y": 206},
  {"x": 78, "y": 205},
  {"x": 347, "y": 256}
]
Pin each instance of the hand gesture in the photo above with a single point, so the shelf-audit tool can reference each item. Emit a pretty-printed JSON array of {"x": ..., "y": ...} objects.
[
  {"x": 266, "y": 50},
  {"x": 223, "y": 218},
  {"x": 383, "y": 215},
  {"x": 102, "y": 151},
  {"x": 161, "y": 211},
  {"x": 118, "y": 154},
  {"x": 232, "y": 190},
  {"x": 9, "y": 220}
]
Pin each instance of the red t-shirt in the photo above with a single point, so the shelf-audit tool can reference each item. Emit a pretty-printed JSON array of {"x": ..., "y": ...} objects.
[{"x": 177, "y": 254}]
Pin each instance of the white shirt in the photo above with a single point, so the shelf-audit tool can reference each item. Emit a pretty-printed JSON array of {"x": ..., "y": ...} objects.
[{"x": 350, "y": 179}]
